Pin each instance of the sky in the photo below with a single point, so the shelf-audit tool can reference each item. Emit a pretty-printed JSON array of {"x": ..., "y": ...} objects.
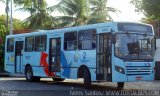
[{"x": 127, "y": 11}]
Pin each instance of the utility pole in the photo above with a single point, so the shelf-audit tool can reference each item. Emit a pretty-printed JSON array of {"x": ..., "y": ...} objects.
[{"x": 11, "y": 21}]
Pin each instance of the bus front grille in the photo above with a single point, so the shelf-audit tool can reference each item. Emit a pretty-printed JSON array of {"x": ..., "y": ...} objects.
[{"x": 138, "y": 70}]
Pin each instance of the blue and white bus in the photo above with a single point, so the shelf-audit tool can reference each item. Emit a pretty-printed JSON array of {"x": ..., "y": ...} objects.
[{"x": 113, "y": 52}]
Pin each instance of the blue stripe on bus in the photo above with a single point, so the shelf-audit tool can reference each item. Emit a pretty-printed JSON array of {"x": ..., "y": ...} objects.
[{"x": 66, "y": 72}]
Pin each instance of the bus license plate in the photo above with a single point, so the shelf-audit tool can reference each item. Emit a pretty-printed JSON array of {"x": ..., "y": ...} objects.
[{"x": 139, "y": 77}]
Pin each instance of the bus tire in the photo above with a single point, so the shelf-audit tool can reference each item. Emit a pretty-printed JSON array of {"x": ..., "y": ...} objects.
[
  {"x": 29, "y": 75},
  {"x": 87, "y": 78},
  {"x": 58, "y": 79},
  {"x": 120, "y": 85}
]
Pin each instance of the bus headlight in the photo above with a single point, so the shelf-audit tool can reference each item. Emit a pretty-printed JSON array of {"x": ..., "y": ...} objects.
[{"x": 119, "y": 69}]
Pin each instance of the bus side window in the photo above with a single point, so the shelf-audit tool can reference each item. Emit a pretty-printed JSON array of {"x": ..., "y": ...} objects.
[
  {"x": 87, "y": 39},
  {"x": 10, "y": 45},
  {"x": 40, "y": 43},
  {"x": 29, "y": 44},
  {"x": 70, "y": 41}
]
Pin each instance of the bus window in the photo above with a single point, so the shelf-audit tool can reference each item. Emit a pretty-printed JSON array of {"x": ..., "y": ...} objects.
[
  {"x": 40, "y": 43},
  {"x": 87, "y": 39},
  {"x": 29, "y": 44},
  {"x": 70, "y": 41},
  {"x": 10, "y": 45}
]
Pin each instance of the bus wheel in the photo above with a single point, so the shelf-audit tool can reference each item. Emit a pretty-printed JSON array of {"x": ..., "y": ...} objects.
[
  {"x": 58, "y": 79},
  {"x": 120, "y": 84},
  {"x": 87, "y": 78},
  {"x": 29, "y": 75}
]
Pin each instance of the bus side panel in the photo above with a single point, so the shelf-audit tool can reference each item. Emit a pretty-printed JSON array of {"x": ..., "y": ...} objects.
[
  {"x": 39, "y": 71},
  {"x": 9, "y": 62},
  {"x": 72, "y": 60},
  {"x": 93, "y": 74},
  {"x": 88, "y": 58},
  {"x": 33, "y": 59},
  {"x": 69, "y": 65},
  {"x": 72, "y": 74}
]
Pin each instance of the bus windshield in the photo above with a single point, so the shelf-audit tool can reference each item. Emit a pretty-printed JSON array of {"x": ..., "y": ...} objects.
[{"x": 134, "y": 46}]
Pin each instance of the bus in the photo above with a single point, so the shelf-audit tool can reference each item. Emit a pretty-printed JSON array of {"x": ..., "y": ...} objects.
[{"x": 105, "y": 52}]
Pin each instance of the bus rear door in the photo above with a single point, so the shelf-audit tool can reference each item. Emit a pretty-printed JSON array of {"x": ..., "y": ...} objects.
[
  {"x": 18, "y": 56},
  {"x": 54, "y": 55}
]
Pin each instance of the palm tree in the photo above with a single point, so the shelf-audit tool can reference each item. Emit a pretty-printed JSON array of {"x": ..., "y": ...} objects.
[
  {"x": 40, "y": 17},
  {"x": 7, "y": 11},
  {"x": 30, "y": 5},
  {"x": 2, "y": 31},
  {"x": 39, "y": 20},
  {"x": 80, "y": 12},
  {"x": 76, "y": 12},
  {"x": 100, "y": 11}
]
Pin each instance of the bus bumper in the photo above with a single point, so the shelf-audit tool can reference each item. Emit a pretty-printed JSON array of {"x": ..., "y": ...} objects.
[{"x": 140, "y": 78}]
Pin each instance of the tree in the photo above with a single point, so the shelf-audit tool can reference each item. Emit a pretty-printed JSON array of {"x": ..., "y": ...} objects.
[
  {"x": 6, "y": 11},
  {"x": 4, "y": 31},
  {"x": 17, "y": 24},
  {"x": 76, "y": 12},
  {"x": 150, "y": 8},
  {"x": 40, "y": 17},
  {"x": 100, "y": 11},
  {"x": 2, "y": 28},
  {"x": 81, "y": 12},
  {"x": 30, "y": 5},
  {"x": 2, "y": 38}
]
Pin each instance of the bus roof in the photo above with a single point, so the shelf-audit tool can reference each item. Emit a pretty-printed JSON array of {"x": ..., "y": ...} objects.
[{"x": 68, "y": 29}]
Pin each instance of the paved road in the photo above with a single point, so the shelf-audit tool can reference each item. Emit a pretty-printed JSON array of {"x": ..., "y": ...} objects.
[{"x": 20, "y": 87}]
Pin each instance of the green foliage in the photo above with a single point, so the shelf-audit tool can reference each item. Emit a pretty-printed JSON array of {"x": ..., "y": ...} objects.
[
  {"x": 40, "y": 20},
  {"x": 100, "y": 11},
  {"x": 3, "y": 32},
  {"x": 18, "y": 24},
  {"x": 81, "y": 12},
  {"x": 76, "y": 12},
  {"x": 2, "y": 37},
  {"x": 40, "y": 17},
  {"x": 150, "y": 8}
]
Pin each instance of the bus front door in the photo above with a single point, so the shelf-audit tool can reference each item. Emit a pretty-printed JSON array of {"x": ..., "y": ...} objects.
[
  {"x": 54, "y": 55},
  {"x": 103, "y": 57},
  {"x": 18, "y": 56}
]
